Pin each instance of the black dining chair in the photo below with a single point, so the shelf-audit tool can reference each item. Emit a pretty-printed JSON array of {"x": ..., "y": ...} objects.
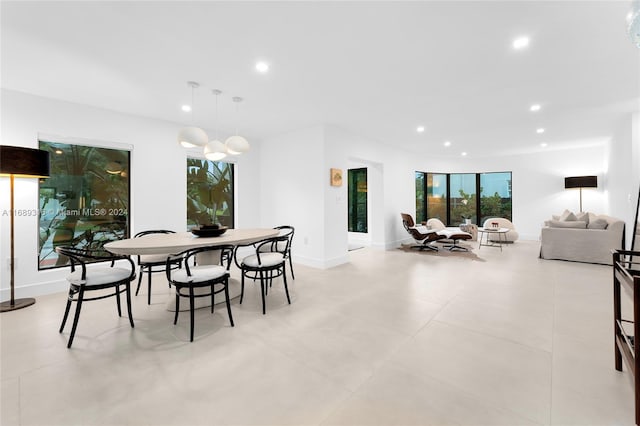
[
  {"x": 216, "y": 277},
  {"x": 102, "y": 277},
  {"x": 152, "y": 263},
  {"x": 264, "y": 265}
]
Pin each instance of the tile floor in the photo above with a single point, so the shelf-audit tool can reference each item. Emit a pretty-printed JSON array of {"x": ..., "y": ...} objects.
[{"x": 392, "y": 338}]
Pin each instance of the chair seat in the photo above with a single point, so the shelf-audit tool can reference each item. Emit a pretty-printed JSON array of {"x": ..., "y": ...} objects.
[
  {"x": 99, "y": 276},
  {"x": 199, "y": 274},
  {"x": 266, "y": 260}
]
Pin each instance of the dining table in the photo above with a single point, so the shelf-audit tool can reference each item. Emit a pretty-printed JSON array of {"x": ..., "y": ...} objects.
[{"x": 175, "y": 243}]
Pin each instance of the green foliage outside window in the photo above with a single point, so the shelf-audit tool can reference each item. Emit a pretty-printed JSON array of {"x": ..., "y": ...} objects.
[
  {"x": 85, "y": 201},
  {"x": 209, "y": 193}
]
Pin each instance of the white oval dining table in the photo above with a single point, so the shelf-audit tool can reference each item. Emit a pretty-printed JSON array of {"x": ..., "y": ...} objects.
[{"x": 180, "y": 241}]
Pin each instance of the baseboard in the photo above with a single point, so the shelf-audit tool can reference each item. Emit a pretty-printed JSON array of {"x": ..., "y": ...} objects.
[{"x": 36, "y": 289}]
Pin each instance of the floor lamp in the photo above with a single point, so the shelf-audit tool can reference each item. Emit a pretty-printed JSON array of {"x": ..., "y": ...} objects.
[
  {"x": 20, "y": 162},
  {"x": 581, "y": 182}
]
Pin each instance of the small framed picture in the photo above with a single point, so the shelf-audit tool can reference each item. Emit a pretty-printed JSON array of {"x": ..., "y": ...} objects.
[{"x": 336, "y": 177}]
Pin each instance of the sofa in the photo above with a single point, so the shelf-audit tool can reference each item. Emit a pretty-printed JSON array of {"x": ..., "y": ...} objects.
[{"x": 582, "y": 237}]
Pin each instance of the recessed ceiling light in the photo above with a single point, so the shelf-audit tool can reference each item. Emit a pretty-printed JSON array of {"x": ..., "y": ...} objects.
[
  {"x": 464, "y": 154},
  {"x": 420, "y": 129},
  {"x": 534, "y": 107},
  {"x": 543, "y": 144},
  {"x": 186, "y": 108},
  {"x": 447, "y": 143},
  {"x": 540, "y": 130},
  {"x": 58, "y": 151},
  {"x": 520, "y": 43},
  {"x": 262, "y": 67}
]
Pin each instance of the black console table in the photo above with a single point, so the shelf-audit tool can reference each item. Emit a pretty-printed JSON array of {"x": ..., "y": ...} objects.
[{"x": 626, "y": 272}]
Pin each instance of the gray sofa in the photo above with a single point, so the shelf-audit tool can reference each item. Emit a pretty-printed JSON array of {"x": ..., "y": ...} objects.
[{"x": 579, "y": 242}]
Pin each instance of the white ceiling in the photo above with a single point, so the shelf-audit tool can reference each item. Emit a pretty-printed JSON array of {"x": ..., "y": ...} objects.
[{"x": 376, "y": 69}]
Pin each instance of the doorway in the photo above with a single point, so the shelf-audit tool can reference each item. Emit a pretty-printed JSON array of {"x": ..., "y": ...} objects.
[{"x": 357, "y": 200}]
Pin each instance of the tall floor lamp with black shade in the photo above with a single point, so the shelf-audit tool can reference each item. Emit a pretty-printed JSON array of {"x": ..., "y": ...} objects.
[
  {"x": 581, "y": 182},
  {"x": 19, "y": 162}
]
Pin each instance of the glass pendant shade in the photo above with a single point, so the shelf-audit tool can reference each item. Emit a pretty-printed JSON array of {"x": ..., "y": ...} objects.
[
  {"x": 215, "y": 150},
  {"x": 190, "y": 137},
  {"x": 237, "y": 145}
]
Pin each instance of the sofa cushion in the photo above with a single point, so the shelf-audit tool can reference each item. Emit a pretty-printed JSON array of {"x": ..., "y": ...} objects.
[
  {"x": 598, "y": 224},
  {"x": 580, "y": 224}
]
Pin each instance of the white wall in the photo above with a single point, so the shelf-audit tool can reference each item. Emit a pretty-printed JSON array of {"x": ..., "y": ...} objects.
[
  {"x": 291, "y": 190},
  {"x": 158, "y": 178}
]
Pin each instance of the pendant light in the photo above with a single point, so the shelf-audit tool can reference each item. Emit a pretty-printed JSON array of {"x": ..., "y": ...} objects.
[
  {"x": 191, "y": 136},
  {"x": 237, "y": 144},
  {"x": 215, "y": 150}
]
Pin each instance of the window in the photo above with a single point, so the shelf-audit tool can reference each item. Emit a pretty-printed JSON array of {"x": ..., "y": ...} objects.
[
  {"x": 454, "y": 197},
  {"x": 210, "y": 193},
  {"x": 85, "y": 201},
  {"x": 495, "y": 195},
  {"x": 357, "y": 193},
  {"x": 463, "y": 198}
]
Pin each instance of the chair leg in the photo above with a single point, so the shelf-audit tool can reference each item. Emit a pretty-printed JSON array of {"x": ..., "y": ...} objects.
[
  {"x": 175, "y": 318},
  {"x": 262, "y": 292},
  {"x": 291, "y": 267},
  {"x": 76, "y": 316},
  {"x": 241, "y": 286},
  {"x": 118, "y": 300},
  {"x": 284, "y": 278},
  {"x": 226, "y": 295},
  {"x": 140, "y": 280},
  {"x": 149, "y": 286},
  {"x": 66, "y": 311},
  {"x": 191, "y": 310},
  {"x": 213, "y": 301},
  {"x": 128, "y": 293}
]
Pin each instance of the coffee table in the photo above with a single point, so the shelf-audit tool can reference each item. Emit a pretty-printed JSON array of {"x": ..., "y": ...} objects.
[{"x": 485, "y": 232}]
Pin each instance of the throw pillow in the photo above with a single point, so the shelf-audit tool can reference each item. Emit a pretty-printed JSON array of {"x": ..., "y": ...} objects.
[
  {"x": 568, "y": 216},
  {"x": 598, "y": 224},
  {"x": 583, "y": 216},
  {"x": 568, "y": 224},
  {"x": 555, "y": 217}
]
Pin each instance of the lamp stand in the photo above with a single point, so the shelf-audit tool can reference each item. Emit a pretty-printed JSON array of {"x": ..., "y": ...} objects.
[
  {"x": 13, "y": 304},
  {"x": 580, "y": 200}
]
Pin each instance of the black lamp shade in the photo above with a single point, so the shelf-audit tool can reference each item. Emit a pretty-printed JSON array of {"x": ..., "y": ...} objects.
[
  {"x": 23, "y": 162},
  {"x": 581, "y": 182}
]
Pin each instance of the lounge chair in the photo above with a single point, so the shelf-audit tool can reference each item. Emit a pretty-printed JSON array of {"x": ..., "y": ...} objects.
[{"x": 421, "y": 234}]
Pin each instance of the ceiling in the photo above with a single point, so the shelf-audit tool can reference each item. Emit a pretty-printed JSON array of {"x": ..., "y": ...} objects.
[{"x": 375, "y": 69}]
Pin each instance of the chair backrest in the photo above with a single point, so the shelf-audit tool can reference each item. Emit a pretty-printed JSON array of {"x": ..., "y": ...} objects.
[
  {"x": 80, "y": 257},
  {"x": 153, "y": 231},
  {"x": 280, "y": 246},
  {"x": 226, "y": 253},
  {"x": 407, "y": 221}
]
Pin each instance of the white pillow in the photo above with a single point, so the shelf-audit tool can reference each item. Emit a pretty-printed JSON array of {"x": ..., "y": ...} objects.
[
  {"x": 568, "y": 216},
  {"x": 583, "y": 216}
]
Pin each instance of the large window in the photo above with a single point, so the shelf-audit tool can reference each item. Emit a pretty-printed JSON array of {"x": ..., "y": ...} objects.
[
  {"x": 85, "y": 201},
  {"x": 209, "y": 193},
  {"x": 357, "y": 194},
  {"x": 453, "y": 198}
]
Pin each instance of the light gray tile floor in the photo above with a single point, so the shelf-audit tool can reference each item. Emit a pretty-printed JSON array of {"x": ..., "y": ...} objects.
[{"x": 392, "y": 338}]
